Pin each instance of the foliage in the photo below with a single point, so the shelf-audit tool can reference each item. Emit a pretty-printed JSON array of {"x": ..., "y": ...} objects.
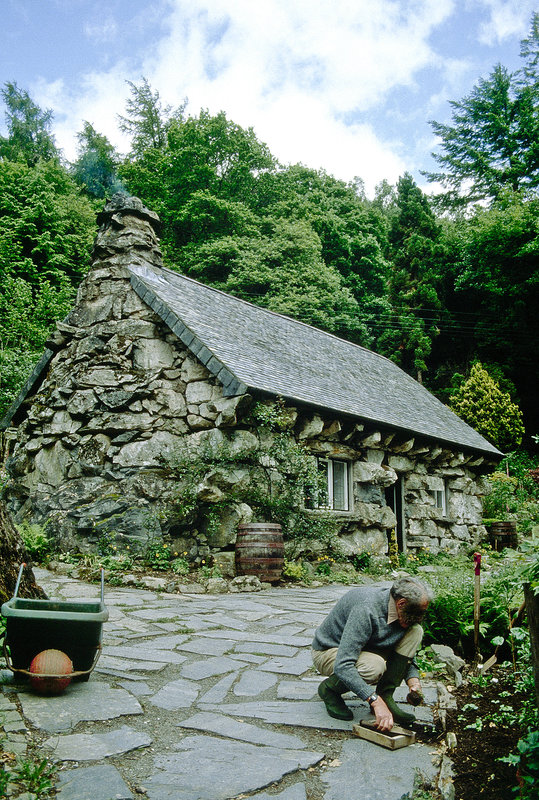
[
  {"x": 29, "y": 128},
  {"x": 526, "y": 760},
  {"x": 490, "y": 144},
  {"x": 28, "y": 776},
  {"x": 448, "y": 618},
  {"x": 46, "y": 232},
  {"x": 37, "y": 543},
  {"x": 414, "y": 278},
  {"x": 146, "y": 119},
  {"x": 156, "y": 554},
  {"x": 481, "y": 403},
  {"x": 180, "y": 565},
  {"x": 294, "y": 570},
  {"x": 514, "y": 494}
]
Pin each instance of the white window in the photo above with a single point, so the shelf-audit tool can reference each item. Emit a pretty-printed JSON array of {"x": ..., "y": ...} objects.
[
  {"x": 440, "y": 499},
  {"x": 336, "y": 472}
]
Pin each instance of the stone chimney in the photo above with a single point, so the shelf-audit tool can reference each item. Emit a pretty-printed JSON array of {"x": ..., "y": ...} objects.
[
  {"x": 127, "y": 235},
  {"x": 128, "y": 232}
]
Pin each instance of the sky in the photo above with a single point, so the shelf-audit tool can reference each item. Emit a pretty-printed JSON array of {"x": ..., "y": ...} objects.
[{"x": 347, "y": 86}]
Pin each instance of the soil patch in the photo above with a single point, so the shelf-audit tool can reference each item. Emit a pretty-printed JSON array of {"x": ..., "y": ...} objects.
[{"x": 486, "y": 727}]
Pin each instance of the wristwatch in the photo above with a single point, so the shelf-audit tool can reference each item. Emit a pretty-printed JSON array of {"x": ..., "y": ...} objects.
[{"x": 372, "y": 699}]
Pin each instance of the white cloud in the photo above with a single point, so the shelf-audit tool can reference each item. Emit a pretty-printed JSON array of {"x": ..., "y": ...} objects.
[
  {"x": 305, "y": 74},
  {"x": 507, "y": 18},
  {"x": 104, "y": 30},
  {"x": 295, "y": 70}
]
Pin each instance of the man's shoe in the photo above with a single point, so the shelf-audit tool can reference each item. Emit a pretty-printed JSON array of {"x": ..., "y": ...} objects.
[
  {"x": 393, "y": 677},
  {"x": 330, "y": 691}
]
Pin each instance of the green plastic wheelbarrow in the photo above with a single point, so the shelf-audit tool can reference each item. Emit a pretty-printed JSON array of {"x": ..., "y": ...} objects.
[{"x": 75, "y": 627}]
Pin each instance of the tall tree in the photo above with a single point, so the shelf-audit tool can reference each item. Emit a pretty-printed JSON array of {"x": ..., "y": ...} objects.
[
  {"x": 529, "y": 52},
  {"x": 414, "y": 251},
  {"x": 146, "y": 118},
  {"x": 29, "y": 128},
  {"x": 97, "y": 163},
  {"x": 492, "y": 144}
]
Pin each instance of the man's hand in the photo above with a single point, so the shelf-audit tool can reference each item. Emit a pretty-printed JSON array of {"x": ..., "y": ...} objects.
[
  {"x": 415, "y": 695},
  {"x": 384, "y": 717}
]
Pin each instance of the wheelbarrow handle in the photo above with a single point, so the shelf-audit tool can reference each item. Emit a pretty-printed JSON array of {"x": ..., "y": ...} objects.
[{"x": 21, "y": 568}]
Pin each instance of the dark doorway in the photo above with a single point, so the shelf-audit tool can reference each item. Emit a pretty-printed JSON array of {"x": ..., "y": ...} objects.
[{"x": 394, "y": 499}]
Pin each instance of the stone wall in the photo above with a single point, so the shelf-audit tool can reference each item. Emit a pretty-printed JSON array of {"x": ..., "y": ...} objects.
[{"x": 121, "y": 392}]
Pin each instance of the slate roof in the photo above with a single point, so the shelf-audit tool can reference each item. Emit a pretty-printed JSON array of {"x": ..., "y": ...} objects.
[{"x": 249, "y": 347}]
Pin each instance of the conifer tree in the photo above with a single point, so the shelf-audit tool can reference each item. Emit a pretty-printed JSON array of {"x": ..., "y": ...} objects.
[{"x": 481, "y": 403}]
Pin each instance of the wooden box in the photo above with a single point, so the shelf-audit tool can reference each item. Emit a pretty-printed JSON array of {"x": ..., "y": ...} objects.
[{"x": 394, "y": 739}]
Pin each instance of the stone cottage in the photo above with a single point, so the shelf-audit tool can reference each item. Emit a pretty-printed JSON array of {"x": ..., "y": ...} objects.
[{"x": 149, "y": 359}]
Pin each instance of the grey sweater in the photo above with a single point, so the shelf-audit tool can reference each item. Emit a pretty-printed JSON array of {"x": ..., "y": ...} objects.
[{"x": 359, "y": 622}]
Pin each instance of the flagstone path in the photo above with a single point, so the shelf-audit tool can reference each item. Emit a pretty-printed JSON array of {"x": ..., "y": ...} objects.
[{"x": 207, "y": 697}]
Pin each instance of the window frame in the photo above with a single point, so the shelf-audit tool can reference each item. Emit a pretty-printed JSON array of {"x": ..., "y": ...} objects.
[
  {"x": 440, "y": 499},
  {"x": 328, "y": 462}
]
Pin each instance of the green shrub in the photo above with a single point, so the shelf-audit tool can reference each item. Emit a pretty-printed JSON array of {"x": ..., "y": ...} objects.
[
  {"x": 294, "y": 570},
  {"x": 156, "y": 554},
  {"x": 36, "y": 541},
  {"x": 180, "y": 566},
  {"x": 483, "y": 405}
]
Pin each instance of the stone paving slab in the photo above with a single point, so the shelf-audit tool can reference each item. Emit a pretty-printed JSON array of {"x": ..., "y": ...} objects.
[
  {"x": 208, "y": 769},
  {"x": 302, "y": 714},
  {"x": 376, "y": 773},
  {"x": 100, "y": 782},
  {"x": 209, "y": 667},
  {"x": 252, "y": 683},
  {"x": 266, "y": 648},
  {"x": 208, "y": 647},
  {"x": 95, "y": 746},
  {"x": 151, "y": 654},
  {"x": 123, "y": 664},
  {"x": 81, "y": 701},
  {"x": 244, "y": 636},
  {"x": 244, "y": 731},
  {"x": 298, "y": 690},
  {"x": 178, "y": 694},
  {"x": 289, "y": 666},
  {"x": 219, "y": 690}
]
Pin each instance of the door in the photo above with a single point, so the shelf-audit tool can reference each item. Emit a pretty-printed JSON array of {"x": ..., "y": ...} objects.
[{"x": 395, "y": 500}]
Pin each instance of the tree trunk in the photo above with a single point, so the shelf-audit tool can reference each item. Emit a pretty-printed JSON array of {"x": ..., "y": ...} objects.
[
  {"x": 12, "y": 555},
  {"x": 532, "y": 610}
]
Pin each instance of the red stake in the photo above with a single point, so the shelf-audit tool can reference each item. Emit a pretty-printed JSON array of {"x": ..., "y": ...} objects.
[{"x": 477, "y": 596}]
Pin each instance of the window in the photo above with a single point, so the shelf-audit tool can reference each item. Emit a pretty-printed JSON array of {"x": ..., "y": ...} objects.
[
  {"x": 336, "y": 473},
  {"x": 440, "y": 499}
]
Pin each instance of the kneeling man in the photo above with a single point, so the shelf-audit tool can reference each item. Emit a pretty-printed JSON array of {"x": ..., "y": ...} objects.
[{"x": 371, "y": 637}]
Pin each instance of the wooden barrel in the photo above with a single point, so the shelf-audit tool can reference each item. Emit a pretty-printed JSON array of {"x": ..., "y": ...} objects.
[
  {"x": 260, "y": 551},
  {"x": 502, "y": 535}
]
